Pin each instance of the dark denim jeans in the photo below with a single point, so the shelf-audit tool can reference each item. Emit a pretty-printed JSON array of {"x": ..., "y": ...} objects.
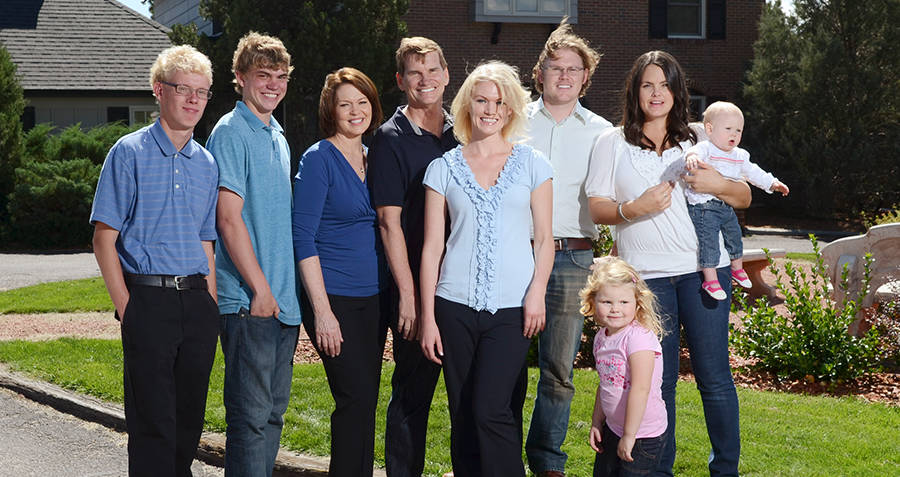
[
  {"x": 705, "y": 321},
  {"x": 259, "y": 353},
  {"x": 709, "y": 218},
  {"x": 646, "y": 454},
  {"x": 558, "y": 346}
]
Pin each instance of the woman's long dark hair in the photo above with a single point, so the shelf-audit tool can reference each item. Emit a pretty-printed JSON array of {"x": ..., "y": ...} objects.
[{"x": 677, "y": 128}]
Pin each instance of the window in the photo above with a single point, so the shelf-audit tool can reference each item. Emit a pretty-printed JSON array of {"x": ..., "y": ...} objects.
[
  {"x": 142, "y": 114},
  {"x": 28, "y": 118},
  {"x": 697, "y": 106},
  {"x": 525, "y": 11},
  {"x": 687, "y": 19},
  {"x": 117, "y": 113}
]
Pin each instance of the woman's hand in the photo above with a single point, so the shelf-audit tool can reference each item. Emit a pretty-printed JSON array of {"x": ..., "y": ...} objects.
[
  {"x": 430, "y": 340},
  {"x": 328, "y": 334},
  {"x": 535, "y": 312},
  {"x": 706, "y": 180},
  {"x": 595, "y": 437},
  {"x": 655, "y": 199}
]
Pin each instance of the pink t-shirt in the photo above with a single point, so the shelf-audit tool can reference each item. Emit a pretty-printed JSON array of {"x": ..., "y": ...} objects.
[{"x": 611, "y": 358}]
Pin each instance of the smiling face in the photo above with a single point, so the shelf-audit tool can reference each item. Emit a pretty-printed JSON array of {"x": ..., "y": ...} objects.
[
  {"x": 562, "y": 86},
  {"x": 725, "y": 130},
  {"x": 487, "y": 111},
  {"x": 423, "y": 80},
  {"x": 352, "y": 111},
  {"x": 262, "y": 90},
  {"x": 181, "y": 113},
  {"x": 614, "y": 307},
  {"x": 656, "y": 98}
]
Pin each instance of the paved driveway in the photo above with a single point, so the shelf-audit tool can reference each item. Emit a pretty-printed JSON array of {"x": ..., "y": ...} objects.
[{"x": 20, "y": 270}]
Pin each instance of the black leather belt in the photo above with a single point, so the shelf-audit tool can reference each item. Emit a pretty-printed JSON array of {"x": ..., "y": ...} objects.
[{"x": 178, "y": 282}]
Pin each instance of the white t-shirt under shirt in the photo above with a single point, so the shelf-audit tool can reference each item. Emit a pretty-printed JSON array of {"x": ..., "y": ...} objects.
[
  {"x": 663, "y": 244},
  {"x": 611, "y": 360}
]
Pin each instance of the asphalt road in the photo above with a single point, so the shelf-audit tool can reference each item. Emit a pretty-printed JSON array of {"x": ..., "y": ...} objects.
[{"x": 39, "y": 441}]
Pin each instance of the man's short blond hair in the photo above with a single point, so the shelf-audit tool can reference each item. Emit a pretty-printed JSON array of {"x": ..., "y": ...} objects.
[
  {"x": 512, "y": 93},
  {"x": 255, "y": 50},
  {"x": 719, "y": 108},
  {"x": 561, "y": 38},
  {"x": 418, "y": 46},
  {"x": 184, "y": 58}
]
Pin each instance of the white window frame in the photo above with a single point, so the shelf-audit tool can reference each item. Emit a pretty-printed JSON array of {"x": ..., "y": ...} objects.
[
  {"x": 702, "y": 33},
  {"x": 482, "y": 14},
  {"x": 132, "y": 110}
]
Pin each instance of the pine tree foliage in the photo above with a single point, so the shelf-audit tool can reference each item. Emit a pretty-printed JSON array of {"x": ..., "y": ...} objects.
[{"x": 12, "y": 104}]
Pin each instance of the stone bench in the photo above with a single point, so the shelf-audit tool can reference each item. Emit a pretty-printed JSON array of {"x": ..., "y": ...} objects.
[
  {"x": 755, "y": 262},
  {"x": 883, "y": 242}
]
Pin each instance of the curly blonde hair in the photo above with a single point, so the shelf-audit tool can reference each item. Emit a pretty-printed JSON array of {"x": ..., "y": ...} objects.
[
  {"x": 617, "y": 272},
  {"x": 184, "y": 58}
]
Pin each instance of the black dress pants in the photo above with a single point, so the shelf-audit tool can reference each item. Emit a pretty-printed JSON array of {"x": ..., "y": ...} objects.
[
  {"x": 168, "y": 343},
  {"x": 483, "y": 358},
  {"x": 354, "y": 377}
]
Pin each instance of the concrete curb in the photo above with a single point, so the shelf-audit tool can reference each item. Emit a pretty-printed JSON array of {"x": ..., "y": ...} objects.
[
  {"x": 823, "y": 234},
  {"x": 212, "y": 445}
]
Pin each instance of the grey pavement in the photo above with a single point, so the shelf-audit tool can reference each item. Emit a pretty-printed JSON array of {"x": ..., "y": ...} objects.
[
  {"x": 20, "y": 270},
  {"x": 39, "y": 441}
]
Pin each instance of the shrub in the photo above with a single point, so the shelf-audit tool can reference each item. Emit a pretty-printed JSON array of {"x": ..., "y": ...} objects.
[
  {"x": 39, "y": 144},
  {"x": 891, "y": 216},
  {"x": 51, "y": 204},
  {"x": 886, "y": 321},
  {"x": 73, "y": 143},
  {"x": 812, "y": 341}
]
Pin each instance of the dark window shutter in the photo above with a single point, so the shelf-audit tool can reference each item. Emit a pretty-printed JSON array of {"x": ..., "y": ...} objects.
[
  {"x": 117, "y": 113},
  {"x": 658, "y": 19},
  {"x": 28, "y": 118},
  {"x": 715, "y": 19}
]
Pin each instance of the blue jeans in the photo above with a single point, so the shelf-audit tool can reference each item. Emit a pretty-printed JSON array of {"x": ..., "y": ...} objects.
[
  {"x": 259, "y": 354},
  {"x": 705, "y": 321},
  {"x": 558, "y": 345},
  {"x": 645, "y": 454},
  {"x": 709, "y": 218}
]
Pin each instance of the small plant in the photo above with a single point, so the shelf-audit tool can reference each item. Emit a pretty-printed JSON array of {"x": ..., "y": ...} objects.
[
  {"x": 890, "y": 216},
  {"x": 886, "y": 320},
  {"x": 812, "y": 341}
]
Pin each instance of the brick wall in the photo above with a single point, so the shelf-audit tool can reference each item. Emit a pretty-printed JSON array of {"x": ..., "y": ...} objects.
[{"x": 618, "y": 29}]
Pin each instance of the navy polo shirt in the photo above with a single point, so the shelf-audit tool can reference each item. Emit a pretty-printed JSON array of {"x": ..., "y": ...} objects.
[
  {"x": 161, "y": 200},
  {"x": 398, "y": 157}
]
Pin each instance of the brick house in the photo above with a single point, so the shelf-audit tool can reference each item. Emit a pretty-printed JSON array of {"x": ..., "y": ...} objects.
[
  {"x": 82, "y": 61},
  {"x": 712, "y": 41}
]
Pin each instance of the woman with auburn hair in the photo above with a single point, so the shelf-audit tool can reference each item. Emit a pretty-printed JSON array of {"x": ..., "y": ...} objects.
[
  {"x": 342, "y": 267},
  {"x": 484, "y": 301},
  {"x": 635, "y": 171}
]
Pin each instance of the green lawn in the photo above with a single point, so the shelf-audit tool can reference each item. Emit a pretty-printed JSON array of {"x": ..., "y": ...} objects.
[
  {"x": 783, "y": 434},
  {"x": 88, "y": 294}
]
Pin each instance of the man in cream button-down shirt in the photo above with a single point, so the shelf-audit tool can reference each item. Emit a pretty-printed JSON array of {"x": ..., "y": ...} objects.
[{"x": 564, "y": 131}]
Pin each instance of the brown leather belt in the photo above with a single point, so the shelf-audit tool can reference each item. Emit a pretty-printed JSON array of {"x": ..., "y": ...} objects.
[{"x": 561, "y": 244}]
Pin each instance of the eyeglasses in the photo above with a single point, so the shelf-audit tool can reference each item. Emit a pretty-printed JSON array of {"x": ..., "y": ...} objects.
[
  {"x": 559, "y": 70},
  {"x": 185, "y": 90}
]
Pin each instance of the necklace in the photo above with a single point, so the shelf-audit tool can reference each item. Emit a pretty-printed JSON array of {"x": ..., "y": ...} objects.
[{"x": 362, "y": 169}]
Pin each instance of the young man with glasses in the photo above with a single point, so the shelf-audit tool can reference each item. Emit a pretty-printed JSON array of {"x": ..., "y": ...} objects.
[
  {"x": 256, "y": 269},
  {"x": 154, "y": 228},
  {"x": 564, "y": 130}
]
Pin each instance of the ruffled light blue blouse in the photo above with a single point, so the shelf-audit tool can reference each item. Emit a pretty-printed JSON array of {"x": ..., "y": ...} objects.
[{"x": 489, "y": 261}]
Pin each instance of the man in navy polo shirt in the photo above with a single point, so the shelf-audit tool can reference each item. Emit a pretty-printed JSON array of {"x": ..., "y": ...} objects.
[
  {"x": 154, "y": 227},
  {"x": 401, "y": 150},
  {"x": 256, "y": 266}
]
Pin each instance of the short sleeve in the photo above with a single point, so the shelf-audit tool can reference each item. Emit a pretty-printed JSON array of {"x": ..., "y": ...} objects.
[
  {"x": 437, "y": 175},
  {"x": 541, "y": 169},
  {"x": 641, "y": 339},
  {"x": 208, "y": 228},
  {"x": 602, "y": 167},
  {"x": 387, "y": 181},
  {"x": 115, "y": 194},
  {"x": 310, "y": 191},
  {"x": 231, "y": 155}
]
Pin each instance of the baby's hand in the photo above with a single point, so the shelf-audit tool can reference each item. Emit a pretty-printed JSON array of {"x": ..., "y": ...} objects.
[
  {"x": 779, "y": 186},
  {"x": 692, "y": 161}
]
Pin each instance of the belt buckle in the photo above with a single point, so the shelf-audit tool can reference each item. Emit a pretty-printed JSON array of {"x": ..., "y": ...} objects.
[
  {"x": 181, "y": 283},
  {"x": 560, "y": 244}
]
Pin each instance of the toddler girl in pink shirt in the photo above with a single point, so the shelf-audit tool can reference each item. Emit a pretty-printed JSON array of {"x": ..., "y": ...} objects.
[{"x": 628, "y": 427}]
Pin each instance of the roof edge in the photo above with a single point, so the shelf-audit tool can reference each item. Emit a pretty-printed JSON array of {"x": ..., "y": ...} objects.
[{"x": 149, "y": 21}]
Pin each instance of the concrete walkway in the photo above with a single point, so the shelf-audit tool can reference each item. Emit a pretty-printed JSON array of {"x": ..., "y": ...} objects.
[{"x": 21, "y": 270}]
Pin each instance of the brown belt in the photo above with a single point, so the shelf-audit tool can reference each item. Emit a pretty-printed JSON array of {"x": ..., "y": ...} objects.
[{"x": 561, "y": 244}]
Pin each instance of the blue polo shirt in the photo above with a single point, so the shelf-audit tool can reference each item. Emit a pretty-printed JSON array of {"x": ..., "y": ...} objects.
[
  {"x": 161, "y": 200},
  {"x": 255, "y": 163}
]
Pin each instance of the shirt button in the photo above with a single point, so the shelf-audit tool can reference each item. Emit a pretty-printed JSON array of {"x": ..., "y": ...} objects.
[
  {"x": 178, "y": 186},
  {"x": 176, "y": 171}
]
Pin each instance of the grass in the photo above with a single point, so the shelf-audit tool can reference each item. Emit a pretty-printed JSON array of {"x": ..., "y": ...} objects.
[
  {"x": 806, "y": 257},
  {"x": 87, "y": 294},
  {"x": 783, "y": 434}
]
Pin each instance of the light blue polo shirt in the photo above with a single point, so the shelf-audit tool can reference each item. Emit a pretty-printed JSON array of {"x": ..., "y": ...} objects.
[
  {"x": 489, "y": 261},
  {"x": 255, "y": 163},
  {"x": 161, "y": 200}
]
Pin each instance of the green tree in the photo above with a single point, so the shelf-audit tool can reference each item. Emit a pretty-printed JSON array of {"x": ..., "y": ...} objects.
[
  {"x": 823, "y": 107},
  {"x": 12, "y": 104},
  {"x": 321, "y": 35}
]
